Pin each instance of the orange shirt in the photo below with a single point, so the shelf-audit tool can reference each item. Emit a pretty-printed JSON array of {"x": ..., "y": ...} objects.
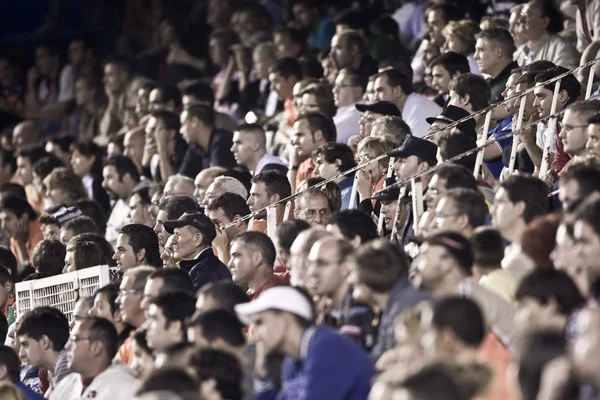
[
  {"x": 289, "y": 111},
  {"x": 125, "y": 353},
  {"x": 35, "y": 236},
  {"x": 35, "y": 198},
  {"x": 305, "y": 170},
  {"x": 378, "y": 186},
  {"x": 497, "y": 356}
]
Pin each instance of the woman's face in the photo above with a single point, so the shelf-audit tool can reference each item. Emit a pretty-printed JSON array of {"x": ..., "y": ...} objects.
[
  {"x": 81, "y": 164},
  {"x": 83, "y": 93},
  {"x": 367, "y": 155},
  {"x": 455, "y": 45},
  {"x": 142, "y": 363}
]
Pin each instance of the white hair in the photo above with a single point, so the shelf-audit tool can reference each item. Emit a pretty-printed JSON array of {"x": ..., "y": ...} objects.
[
  {"x": 231, "y": 185},
  {"x": 180, "y": 185}
]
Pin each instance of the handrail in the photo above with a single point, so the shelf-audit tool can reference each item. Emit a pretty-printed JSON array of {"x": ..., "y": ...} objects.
[{"x": 480, "y": 147}]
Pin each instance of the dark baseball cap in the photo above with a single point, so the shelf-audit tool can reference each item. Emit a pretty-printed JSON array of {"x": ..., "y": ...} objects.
[
  {"x": 451, "y": 114},
  {"x": 457, "y": 245},
  {"x": 196, "y": 219},
  {"x": 391, "y": 194},
  {"x": 380, "y": 107},
  {"x": 414, "y": 146}
]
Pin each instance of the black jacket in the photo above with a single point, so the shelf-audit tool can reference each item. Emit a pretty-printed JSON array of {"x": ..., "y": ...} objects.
[{"x": 205, "y": 268}]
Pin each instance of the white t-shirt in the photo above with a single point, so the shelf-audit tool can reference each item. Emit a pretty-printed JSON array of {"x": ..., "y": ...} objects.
[{"x": 416, "y": 109}]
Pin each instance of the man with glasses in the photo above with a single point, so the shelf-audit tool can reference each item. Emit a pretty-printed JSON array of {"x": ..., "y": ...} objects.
[
  {"x": 330, "y": 161},
  {"x": 312, "y": 206},
  {"x": 573, "y": 133},
  {"x": 90, "y": 351},
  {"x": 460, "y": 211},
  {"x": 130, "y": 303},
  {"x": 373, "y": 111},
  {"x": 348, "y": 90},
  {"x": 327, "y": 277}
]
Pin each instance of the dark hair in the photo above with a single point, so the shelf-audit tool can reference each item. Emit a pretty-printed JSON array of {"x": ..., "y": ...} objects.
[
  {"x": 450, "y": 12},
  {"x": 169, "y": 118},
  {"x": 537, "y": 66},
  {"x": 457, "y": 177},
  {"x": 144, "y": 194},
  {"x": 143, "y": 237},
  {"x": 81, "y": 224},
  {"x": 8, "y": 261},
  {"x": 502, "y": 37},
  {"x": 546, "y": 284},
  {"x": 8, "y": 158},
  {"x": 385, "y": 26},
  {"x": 352, "y": 223},
  {"x": 201, "y": 92},
  {"x": 13, "y": 190},
  {"x": 275, "y": 182},
  {"x": 568, "y": 83},
  {"x": 555, "y": 18},
  {"x": 395, "y": 78},
  {"x": 170, "y": 93},
  {"x": 88, "y": 148},
  {"x": 102, "y": 330},
  {"x": 296, "y": 35},
  {"x": 124, "y": 165},
  {"x": 452, "y": 62},
  {"x": 232, "y": 204},
  {"x": 470, "y": 203},
  {"x": 173, "y": 280},
  {"x": 112, "y": 292},
  {"x": 172, "y": 379},
  {"x": 221, "y": 366},
  {"x": 456, "y": 144},
  {"x": 355, "y": 78},
  {"x": 352, "y": 39},
  {"x": 32, "y": 154},
  {"x": 287, "y": 67},
  {"x": 175, "y": 307},
  {"x": 258, "y": 241},
  {"x": 433, "y": 382},
  {"x": 336, "y": 151},
  {"x": 531, "y": 191},
  {"x": 226, "y": 37},
  {"x": 45, "y": 165},
  {"x": 140, "y": 337},
  {"x": 203, "y": 113},
  {"x": 17, "y": 206},
  {"x": 288, "y": 231},
  {"x": 64, "y": 142},
  {"x": 397, "y": 63},
  {"x": 49, "y": 257},
  {"x": 594, "y": 120},
  {"x": 379, "y": 265},
  {"x": 45, "y": 321},
  {"x": 225, "y": 294},
  {"x": 488, "y": 247},
  {"x": 10, "y": 360},
  {"x": 586, "y": 177},
  {"x": 539, "y": 239},
  {"x": 5, "y": 276},
  {"x": 395, "y": 127},
  {"x": 527, "y": 78},
  {"x": 539, "y": 349},
  {"x": 312, "y": 68},
  {"x": 319, "y": 122},
  {"x": 122, "y": 62},
  {"x": 463, "y": 317},
  {"x": 475, "y": 87},
  {"x": 92, "y": 209},
  {"x": 88, "y": 251},
  {"x": 220, "y": 324},
  {"x": 176, "y": 206}
]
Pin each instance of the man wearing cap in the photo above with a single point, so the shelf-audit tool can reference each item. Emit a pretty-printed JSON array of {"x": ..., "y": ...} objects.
[
  {"x": 392, "y": 85},
  {"x": 372, "y": 112},
  {"x": 389, "y": 204},
  {"x": 444, "y": 267},
  {"x": 193, "y": 234},
  {"x": 448, "y": 116},
  {"x": 414, "y": 157},
  {"x": 319, "y": 363},
  {"x": 19, "y": 221}
]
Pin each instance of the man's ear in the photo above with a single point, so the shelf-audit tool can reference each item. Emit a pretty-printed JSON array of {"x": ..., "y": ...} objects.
[
  {"x": 141, "y": 255},
  {"x": 237, "y": 218},
  {"x": 9, "y": 288},
  {"x": 45, "y": 342},
  {"x": 520, "y": 208},
  {"x": 318, "y": 135},
  {"x": 274, "y": 198},
  {"x": 96, "y": 347}
]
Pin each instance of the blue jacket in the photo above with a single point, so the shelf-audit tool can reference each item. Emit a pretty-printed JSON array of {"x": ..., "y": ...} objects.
[
  {"x": 331, "y": 367},
  {"x": 205, "y": 268},
  {"x": 28, "y": 393}
]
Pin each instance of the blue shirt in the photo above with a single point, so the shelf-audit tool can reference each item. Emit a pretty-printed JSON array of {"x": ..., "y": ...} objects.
[
  {"x": 321, "y": 37},
  {"x": 330, "y": 367},
  {"x": 503, "y": 127},
  {"x": 346, "y": 189},
  {"x": 28, "y": 393}
]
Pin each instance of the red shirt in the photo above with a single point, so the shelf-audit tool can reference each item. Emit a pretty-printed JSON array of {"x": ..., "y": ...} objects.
[
  {"x": 305, "y": 170},
  {"x": 273, "y": 281}
]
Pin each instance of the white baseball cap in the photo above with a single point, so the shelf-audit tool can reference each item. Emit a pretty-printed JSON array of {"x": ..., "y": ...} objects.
[{"x": 283, "y": 298}]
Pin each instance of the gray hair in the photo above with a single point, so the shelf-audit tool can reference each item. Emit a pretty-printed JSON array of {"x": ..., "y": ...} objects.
[{"x": 231, "y": 185}]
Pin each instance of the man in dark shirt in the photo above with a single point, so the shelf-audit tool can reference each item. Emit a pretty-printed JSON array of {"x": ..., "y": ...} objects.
[
  {"x": 494, "y": 56},
  {"x": 208, "y": 146},
  {"x": 349, "y": 50},
  {"x": 192, "y": 240}
]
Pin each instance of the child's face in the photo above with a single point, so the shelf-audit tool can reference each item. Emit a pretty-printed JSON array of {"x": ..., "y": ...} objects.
[{"x": 51, "y": 231}]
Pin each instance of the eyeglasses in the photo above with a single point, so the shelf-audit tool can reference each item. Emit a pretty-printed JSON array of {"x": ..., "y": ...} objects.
[
  {"x": 78, "y": 318},
  {"x": 438, "y": 218},
  {"x": 323, "y": 263},
  {"x": 126, "y": 292},
  {"x": 314, "y": 213},
  {"x": 366, "y": 158},
  {"x": 75, "y": 339}
]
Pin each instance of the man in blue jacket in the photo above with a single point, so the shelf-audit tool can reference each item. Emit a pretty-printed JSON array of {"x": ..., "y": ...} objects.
[
  {"x": 193, "y": 234},
  {"x": 319, "y": 363},
  {"x": 10, "y": 369}
]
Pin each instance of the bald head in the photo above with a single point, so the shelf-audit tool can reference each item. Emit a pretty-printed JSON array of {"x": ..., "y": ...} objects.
[
  {"x": 26, "y": 134},
  {"x": 133, "y": 145},
  {"x": 203, "y": 181},
  {"x": 179, "y": 185}
]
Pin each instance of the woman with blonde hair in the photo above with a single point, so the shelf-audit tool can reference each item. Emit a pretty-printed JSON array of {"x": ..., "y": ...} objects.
[
  {"x": 461, "y": 39},
  {"x": 371, "y": 176},
  {"x": 8, "y": 391},
  {"x": 63, "y": 187}
]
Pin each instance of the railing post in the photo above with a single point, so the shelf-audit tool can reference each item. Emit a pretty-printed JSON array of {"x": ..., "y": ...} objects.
[
  {"x": 401, "y": 194},
  {"x": 515, "y": 143},
  {"x": 551, "y": 136},
  {"x": 389, "y": 174},
  {"x": 590, "y": 82},
  {"x": 354, "y": 192},
  {"x": 271, "y": 221},
  {"x": 480, "y": 142},
  {"x": 417, "y": 199}
]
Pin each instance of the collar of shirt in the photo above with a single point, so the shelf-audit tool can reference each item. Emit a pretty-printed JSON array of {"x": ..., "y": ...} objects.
[
  {"x": 268, "y": 159},
  {"x": 346, "y": 183},
  {"x": 305, "y": 341},
  {"x": 504, "y": 74}
]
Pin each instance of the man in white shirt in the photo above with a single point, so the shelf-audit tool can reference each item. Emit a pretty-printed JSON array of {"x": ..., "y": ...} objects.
[
  {"x": 90, "y": 351},
  {"x": 120, "y": 177},
  {"x": 250, "y": 150},
  {"x": 393, "y": 86},
  {"x": 348, "y": 90}
]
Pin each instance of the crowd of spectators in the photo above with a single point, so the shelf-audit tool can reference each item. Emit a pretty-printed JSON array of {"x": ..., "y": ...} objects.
[{"x": 292, "y": 204}]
